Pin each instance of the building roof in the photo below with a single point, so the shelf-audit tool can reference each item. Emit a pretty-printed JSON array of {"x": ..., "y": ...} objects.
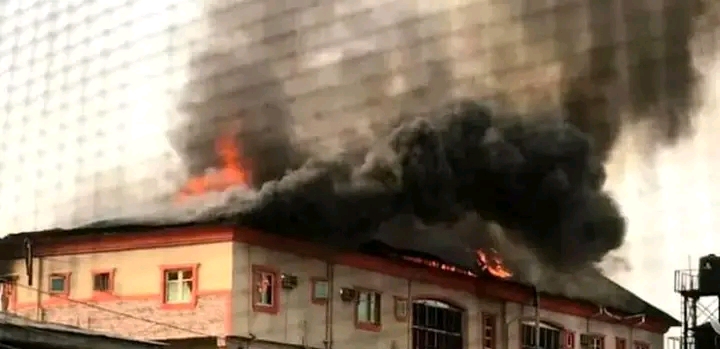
[
  {"x": 22, "y": 331},
  {"x": 587, "y": 284}
]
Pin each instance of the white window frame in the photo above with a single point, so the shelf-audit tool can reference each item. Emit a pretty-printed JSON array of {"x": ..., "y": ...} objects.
[
  {"x": 369, "y": 307},
  {"x": 543, "y": 327},
  {"x": 185, "y": 277}
]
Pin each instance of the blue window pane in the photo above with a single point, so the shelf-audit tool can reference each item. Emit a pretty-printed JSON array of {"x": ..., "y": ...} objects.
[{"x": 57, "y": 284}]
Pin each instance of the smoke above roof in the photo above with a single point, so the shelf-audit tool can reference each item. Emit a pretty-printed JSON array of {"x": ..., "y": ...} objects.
[
  {"x": 343, "y": 177},
  {"x": 537, "y": 177}
]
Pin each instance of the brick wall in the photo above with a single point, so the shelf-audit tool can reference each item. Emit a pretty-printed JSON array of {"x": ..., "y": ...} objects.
[{"x": 140, "y": 319}]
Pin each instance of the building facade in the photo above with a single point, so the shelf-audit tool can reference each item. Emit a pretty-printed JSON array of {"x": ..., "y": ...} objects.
[{"x": 217, "y": 286}]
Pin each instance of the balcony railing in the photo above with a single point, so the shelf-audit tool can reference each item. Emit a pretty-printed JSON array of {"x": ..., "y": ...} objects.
[{"x": 686, "y": 281}]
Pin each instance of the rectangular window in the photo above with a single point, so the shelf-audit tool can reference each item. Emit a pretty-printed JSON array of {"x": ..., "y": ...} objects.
[
  {"x": 319, "y": 290},
  {"x": 401, "y": 308},
  {"x": 489, "y": 331},
  {"x": 60, "y": 283},
  {"x": 178, "y": 286},
  {"x": 569, "y": 339},
  {"x": 592, "y": 341},
  {"x": 265, "y": 287},
  {"x": 8, "y": 294},
  {"x": 620, "y": 343},
  {"x": 265, "y": 290},
  {"x": 367, "y": 310},
  {"x": 549, "y": 336},
  {"x": 641, "y": 345},
  {"x": 102, "y": 282}
]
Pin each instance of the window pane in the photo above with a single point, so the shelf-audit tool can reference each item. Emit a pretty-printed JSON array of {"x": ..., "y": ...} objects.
[
  {"x": 101, "y": 282},
  {"x": 57, "y": 284},
  {"x": 172, "y": 275},
  {"x": 186, "y": 295},
  {"x": 186, "y": 274},
  {"x": 321, "y": 290},
  {"x": 268, "y": 296},
  {"x": 363, "y": 307},
  {"x": 172, "y": 292},
  {"x": 374, "y": 308}
]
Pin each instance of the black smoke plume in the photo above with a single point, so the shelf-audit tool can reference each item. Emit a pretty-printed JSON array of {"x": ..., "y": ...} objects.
[
  {"x": 539, "y": 178},
  {"x": 246, "y": 97},
  {"x": 655, "y": 85}
]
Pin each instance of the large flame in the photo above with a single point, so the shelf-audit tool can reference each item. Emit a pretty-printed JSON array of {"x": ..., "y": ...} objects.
[
  {"x": 233, "y": 170},
  {"x": 491, "y": 262}
]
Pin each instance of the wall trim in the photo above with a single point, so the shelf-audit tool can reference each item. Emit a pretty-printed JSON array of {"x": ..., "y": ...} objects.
[{"x": 483, "y": 286}]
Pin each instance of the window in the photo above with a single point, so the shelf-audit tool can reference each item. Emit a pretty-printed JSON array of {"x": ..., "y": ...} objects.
[
  {"x": 569, "y": 339},
  {"x": 549, "y": 336},
  {"x": 592, "y": 341},
  {"x": 620, "y": 343},
  {"x": 179, "y": 286},
  {"x": 400, "y": 308},
  {"x": 266, "y": 289},
  {"x": 60, "y": 283},
  {"x": 319, "y": 290},
  {"x": 367, "y": 310},
  {"x": 103, "y": 280},
  {"x": 488, "y": 331},
  {"x": 437, "y": 325},
  {"x": 8, "y": 294},
  {"x": 641, "y": 345}
]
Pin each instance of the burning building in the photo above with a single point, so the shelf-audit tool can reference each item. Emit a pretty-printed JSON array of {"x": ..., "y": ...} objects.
[
  {"x": 463, "y": 228},
  {"x": 215, "y": 284},
  {"x": 326, "y": 197}
]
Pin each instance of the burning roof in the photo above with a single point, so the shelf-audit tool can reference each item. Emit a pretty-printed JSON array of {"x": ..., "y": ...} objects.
[
  {"x": 430, "y": 187},
  {"x": 586, "y": 284},
  {"x": 538, "y": 177}
]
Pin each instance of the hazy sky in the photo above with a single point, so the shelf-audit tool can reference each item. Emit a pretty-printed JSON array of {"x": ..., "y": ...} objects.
[
  {"x": 672, "y": 200},
  {"x": 57, "y": 131}
]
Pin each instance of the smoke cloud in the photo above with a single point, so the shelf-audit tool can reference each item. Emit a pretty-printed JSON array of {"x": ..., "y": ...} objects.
[
  {"x": 540, "y": 177},
  {"x": 537, "y": 177},
  {"x": 651, "y": 88}
]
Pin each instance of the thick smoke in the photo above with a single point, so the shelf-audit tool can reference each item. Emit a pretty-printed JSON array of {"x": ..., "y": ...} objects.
[
  {"x": 246, "y": 97},
  {"x": 538, "y": 178},
  {"x": 647, "y": 81}
]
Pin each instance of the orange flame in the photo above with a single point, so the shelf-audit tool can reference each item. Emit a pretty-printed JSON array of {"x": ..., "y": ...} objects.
[
  {"x": 493, "y": 264},
  {"x": 232, "y": 171},
  {"x": 489, "y": 261}
]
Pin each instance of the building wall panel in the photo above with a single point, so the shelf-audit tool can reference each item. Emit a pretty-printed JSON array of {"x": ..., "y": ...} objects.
[
  {"x": 299, "y": 322},
  {"x": 135, "y": 306}
]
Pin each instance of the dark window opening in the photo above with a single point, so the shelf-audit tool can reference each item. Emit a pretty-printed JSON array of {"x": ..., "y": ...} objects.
[
  {"x": 489, "y": 331},
  {"x": 591, "y": 341},
  {"x": 101, "y": 282},
  {"x": 265, "y": 289},
  {"x": 436, "y": 325}
]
